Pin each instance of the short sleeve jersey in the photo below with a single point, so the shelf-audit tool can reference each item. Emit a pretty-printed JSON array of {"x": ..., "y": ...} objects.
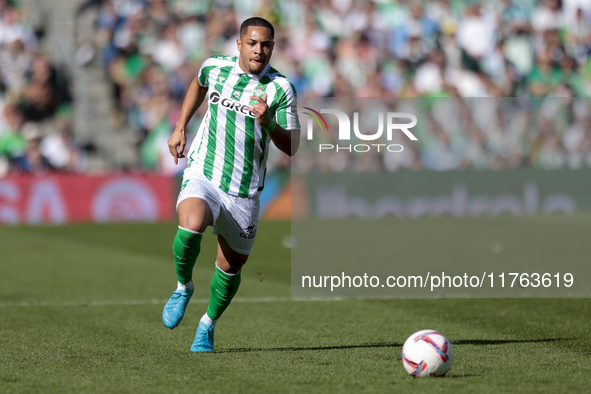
[{"x": 231, "y": 148}]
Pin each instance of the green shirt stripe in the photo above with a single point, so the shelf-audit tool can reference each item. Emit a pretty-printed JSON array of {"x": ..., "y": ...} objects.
[
  {"x": 249, "y": 142},
  {"x": 274, "y": 71},
  {"x": 231, "y": 136},
  {"x": 281, "y": 97},
  {"x": 264, "y": 82},
  {"x": 213, "y": 124},
  {"x": 205, "y": 75}
]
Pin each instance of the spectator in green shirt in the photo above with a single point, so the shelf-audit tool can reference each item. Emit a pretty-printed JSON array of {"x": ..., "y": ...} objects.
[
  {"x": 12, "y": 143},
  {"x": 544, "y": 78}
]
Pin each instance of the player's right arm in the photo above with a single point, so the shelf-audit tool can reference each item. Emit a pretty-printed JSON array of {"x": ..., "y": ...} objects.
[{"x": 193, "y": 99}]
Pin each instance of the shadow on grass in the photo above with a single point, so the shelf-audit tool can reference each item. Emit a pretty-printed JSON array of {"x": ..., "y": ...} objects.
[
  {"x": 486, "y": 342},
  {"x": 482, "y": 342},
  {"x": 294, "y": 349}
]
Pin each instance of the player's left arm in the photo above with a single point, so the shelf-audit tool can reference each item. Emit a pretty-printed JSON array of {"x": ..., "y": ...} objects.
[{"x": 287, "y": 140}]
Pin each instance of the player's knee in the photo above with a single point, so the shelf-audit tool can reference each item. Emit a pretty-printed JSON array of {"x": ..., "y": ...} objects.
[
  {"x": 194, "y": 215},
  {"x": 231, "y": 267},
  {"x": 193, "y": 221},
  {"x": 228, "y": 259}
]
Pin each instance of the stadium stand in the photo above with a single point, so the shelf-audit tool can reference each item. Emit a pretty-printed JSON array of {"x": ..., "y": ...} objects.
[{"x": 130, "y": 61}]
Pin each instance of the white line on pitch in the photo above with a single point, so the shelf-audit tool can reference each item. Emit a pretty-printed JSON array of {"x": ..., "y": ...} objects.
[{"x": 153, "y": 301}]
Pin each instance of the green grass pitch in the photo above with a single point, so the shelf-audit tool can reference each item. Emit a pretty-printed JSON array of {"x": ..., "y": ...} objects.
[{"x": 80, "y": 311}]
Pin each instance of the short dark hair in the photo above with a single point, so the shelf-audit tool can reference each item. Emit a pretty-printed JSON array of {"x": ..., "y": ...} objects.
[{"x": 255, "y": 21}]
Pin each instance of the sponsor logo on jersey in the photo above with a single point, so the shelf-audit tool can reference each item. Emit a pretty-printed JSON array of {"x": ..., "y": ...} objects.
[
  {"x": 250, "y": 232},
  {"x": 230, "y": 104}
]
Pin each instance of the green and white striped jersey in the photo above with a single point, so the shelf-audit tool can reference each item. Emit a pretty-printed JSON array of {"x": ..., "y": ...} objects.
[{"x": 230, "y": 147}]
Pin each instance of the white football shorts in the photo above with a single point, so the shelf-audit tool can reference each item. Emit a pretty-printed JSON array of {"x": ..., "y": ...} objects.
[{"x": 235, "y": 218}]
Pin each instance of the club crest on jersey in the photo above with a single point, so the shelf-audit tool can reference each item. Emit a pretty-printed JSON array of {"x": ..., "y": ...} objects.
[
  {"x": 228, "y": 103},
  {"x": 236, "y": 95},
  {"x": 259, "y": 91}
]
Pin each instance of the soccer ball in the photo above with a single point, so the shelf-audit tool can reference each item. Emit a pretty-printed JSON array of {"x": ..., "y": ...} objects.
[{"x": 427, "y": 353}]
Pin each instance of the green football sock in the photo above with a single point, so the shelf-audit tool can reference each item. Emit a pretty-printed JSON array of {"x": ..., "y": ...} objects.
[
  {"x": 186, "y": 248},
  {"x": 223, "y": 289}
]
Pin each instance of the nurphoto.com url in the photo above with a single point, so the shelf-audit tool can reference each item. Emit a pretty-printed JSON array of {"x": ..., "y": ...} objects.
[{"x": 440, "y": 281}]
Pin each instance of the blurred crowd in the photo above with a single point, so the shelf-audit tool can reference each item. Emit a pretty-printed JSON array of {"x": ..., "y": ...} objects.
[
  {"x": 454, "y": 49},
  {"x": 33, "y": 94},
  {"x": 152, "y": 49}
]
